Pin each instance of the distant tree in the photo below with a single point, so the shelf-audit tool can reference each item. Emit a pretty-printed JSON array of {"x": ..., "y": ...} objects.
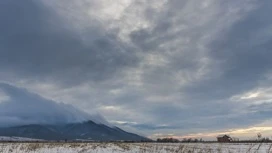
[
  {"x": 167, "y": 140},
  {"x": 189, "y": 140},
  {"x": 265, "y": 140},
  {"x": 259, "y": 136}
]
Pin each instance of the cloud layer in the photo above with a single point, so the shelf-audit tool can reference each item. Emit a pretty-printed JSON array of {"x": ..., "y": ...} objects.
[
  {"x": 179, "y": 66},
  {"x": 21, "y": 107}
]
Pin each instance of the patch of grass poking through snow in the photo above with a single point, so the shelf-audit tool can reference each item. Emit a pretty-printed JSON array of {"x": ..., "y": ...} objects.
[
  {"x": 123, "y": 146},
  {"x": 34, "y": 147},
  {"x": 135, "y": 148}
]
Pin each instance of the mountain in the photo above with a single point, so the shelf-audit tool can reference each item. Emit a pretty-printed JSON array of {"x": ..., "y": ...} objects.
[
  {"x": 88, "y": 130},
  {"x": 25, "y": 114}
]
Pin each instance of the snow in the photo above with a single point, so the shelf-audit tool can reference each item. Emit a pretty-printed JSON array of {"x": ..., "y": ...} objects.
[
  {"x": 134, "y": 147},
  {"x": 2, "y": 138}
]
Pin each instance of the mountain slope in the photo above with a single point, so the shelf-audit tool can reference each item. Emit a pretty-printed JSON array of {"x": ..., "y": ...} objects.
[{"x": 87, "y": 130}]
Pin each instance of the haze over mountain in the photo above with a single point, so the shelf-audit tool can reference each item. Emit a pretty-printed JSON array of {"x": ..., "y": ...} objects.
[
  {"x": 25, "y": 114},
  {"x": 21, "y": 107}
]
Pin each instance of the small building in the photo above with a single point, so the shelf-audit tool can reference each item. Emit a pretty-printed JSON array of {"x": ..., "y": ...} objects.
[{"x": 224, "y": 138}]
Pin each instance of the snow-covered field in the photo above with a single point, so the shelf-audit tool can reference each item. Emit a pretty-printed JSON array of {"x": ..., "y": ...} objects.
[
  {"x": 134, "y": 148},
  {"x": 2, "y": 138}
]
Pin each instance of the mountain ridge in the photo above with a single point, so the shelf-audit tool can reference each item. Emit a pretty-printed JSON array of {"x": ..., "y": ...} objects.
[{"x": 87, "y": 130}]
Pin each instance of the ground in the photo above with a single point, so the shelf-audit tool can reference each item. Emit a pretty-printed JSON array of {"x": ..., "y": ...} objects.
[{"x": 135, "y": 147}]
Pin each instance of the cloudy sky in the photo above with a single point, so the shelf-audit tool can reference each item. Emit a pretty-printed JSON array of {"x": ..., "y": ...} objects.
[{"x": 159, "y": 68}]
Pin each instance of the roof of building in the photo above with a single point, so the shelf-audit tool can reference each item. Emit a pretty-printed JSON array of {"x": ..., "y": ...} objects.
[{"x": 223, "y": 135}]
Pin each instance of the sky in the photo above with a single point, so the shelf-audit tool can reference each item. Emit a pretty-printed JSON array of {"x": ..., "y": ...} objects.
[{"x": 179, "y": 68}]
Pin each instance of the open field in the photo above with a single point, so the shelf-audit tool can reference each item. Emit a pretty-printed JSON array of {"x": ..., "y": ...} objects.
[{"x": 135, "y": 147}]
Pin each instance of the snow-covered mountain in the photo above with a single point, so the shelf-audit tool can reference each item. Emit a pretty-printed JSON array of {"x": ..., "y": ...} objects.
[{"x": 88, "y": 130}]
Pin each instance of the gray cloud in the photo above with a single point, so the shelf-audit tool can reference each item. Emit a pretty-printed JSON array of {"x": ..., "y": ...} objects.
[
  {"x": 35, "y": 41},
  {"x": 23, "y": 107},
  {"x": 244, "y": 52},
  {"x": 165, "y": 65}
]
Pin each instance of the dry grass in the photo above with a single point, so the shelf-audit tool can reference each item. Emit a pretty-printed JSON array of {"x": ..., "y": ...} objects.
[{"x": 136, "y": 147}]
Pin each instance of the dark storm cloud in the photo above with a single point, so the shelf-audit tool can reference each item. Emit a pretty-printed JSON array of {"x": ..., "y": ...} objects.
[
  {"x": 241, "y": 57},
  {"x": 244, "y": 51},
  {"x": 178, "y": 71},
  {"x": 35, "y": 41}
]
